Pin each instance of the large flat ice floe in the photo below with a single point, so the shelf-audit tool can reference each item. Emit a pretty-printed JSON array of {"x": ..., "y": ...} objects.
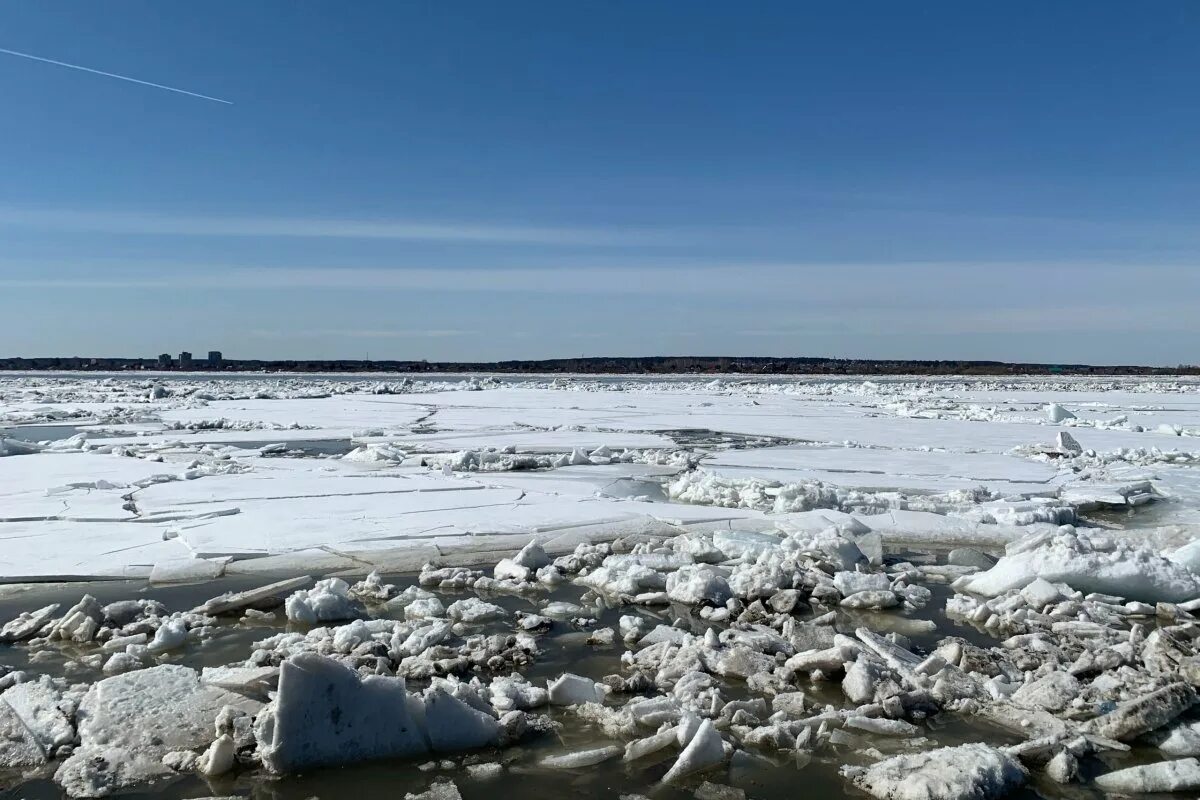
[{"x": 113, "y": 477}]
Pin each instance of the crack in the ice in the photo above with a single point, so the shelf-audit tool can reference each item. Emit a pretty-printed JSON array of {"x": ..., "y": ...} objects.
[{"x": 429, "y": 490}]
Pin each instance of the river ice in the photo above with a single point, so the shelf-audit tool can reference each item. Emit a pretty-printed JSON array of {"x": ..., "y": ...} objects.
[
  {"x": 957, "y": 589},
  {"x": 226, "y": 470}
]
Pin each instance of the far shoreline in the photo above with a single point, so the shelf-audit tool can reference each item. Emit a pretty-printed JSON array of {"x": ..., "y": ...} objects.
[{"x": 658, "y": 368}]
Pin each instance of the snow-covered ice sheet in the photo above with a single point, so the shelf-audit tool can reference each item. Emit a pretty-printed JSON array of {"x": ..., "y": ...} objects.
[
  {"x": 241, "y": 489},
  {"x": 341, "y": 412},
  {"x": 178, "y": 469},
  {"x": 80, "y": 486},
  {"x": 378, "y": 521},
  {"x": 880, "y": 469},
  {"x": 48, "y": 471},
  {"x": 69, "y": 550},
  {"x": 155, "y": 436}
]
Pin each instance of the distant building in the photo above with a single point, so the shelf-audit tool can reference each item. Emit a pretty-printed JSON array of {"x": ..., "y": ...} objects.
[
  {"x": 185, "y": 360},
  {"x": 164, "y": 361},
  {"x": 214, "y": 359}
]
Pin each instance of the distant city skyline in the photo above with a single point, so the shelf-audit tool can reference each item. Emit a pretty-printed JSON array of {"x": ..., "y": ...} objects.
[{"x": 478, "y": 181}]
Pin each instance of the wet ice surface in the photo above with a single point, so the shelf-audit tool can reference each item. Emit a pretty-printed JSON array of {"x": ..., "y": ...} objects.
[
  {"x": 754, "y": 506},
  {"x": 562, "y": 649}
]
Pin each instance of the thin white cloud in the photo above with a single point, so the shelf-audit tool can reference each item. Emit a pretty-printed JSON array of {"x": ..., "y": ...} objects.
[
  {"x": 114, "y": 75},
  {"x": 945, "y": 322},
  {"x": 828, "y": 297},
  {"x": 351, "y": 333},
  {"x": 570, "y": 280},
  {"x": 152, "y": 224}
]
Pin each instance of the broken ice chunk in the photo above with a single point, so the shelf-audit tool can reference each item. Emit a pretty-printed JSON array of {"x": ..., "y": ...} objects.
[
  {"x": 508, "y": 570},
  {"x": 1063, "y": 767},
  {"x": 861, "y": 679},
  {"x": 328, "y": 601},
  {"x": 27, "y": 623},
  {"x": 1056, "y": 413},
  {"x": 1135, "y": 717},
  {"x": 569, "y": 689},
  {"x": 154, "y": 710},
  {"x": 641, "y": 748},
  {"x": 849, "y": 583},
  {"x": 269, "y": 596},
  {"x": 219, "y": 758},
  {"x": 1167, "y": 776},
  {"x": 1087, "y": 562},
  {"x": 424, "y": 608},
  {"x": 1066, "y": 444},
  {"x": 18, "y": 746},
  {"x": 170, "y": 636},
  {"x": 441, "y": 790},
  {"x": 581, "y": 758},
  {"x": 704, "y": 751},
  {"x": 967, "y": 772},
  {"x": 120, "y": 663},
  {"x": 745, "y": 544},
  {"x": 100, "y": 771},
  {"x": 37, "y": 705},
  {"x": 1178, "y": 740},
  {"x": 871, "y": 600},
  {"x": 695, "y": 585},
  {"x": 253, "y": 681},
  {"x": 80, "y": 623},
  {"x": 514, "y": 692},
  {"x": 532, "y": 556},
  {"x": 1054, "y": 692},
  {"x": 484, "y": 772},
  {"x": 473, "y": 611},
  {"x": 452, "y": 725},
  {"x": 1040, "y": 593},
  {"x": 881, "y": 726},
  {"x": 719, "y": 791},
  {"x": 325, "y": 714}
]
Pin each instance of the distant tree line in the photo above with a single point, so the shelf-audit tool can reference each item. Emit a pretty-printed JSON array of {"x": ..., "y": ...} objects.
[{"x": 647, "y": 365}]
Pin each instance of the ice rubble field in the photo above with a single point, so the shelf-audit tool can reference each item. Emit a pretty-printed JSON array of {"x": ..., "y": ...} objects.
[{"x": 814, "y": 574}]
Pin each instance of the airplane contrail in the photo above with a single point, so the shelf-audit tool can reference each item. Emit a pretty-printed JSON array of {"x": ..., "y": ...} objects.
[{"x": 114, "y": 75}]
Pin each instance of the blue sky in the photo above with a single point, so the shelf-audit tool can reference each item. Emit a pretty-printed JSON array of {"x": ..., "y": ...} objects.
[{"x": 483, "y": 180}]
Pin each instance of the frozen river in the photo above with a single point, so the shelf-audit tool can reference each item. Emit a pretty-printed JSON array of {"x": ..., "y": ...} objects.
[
  {"x": 672, "y": 587},
  {"x": 271, "y": 473}
]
